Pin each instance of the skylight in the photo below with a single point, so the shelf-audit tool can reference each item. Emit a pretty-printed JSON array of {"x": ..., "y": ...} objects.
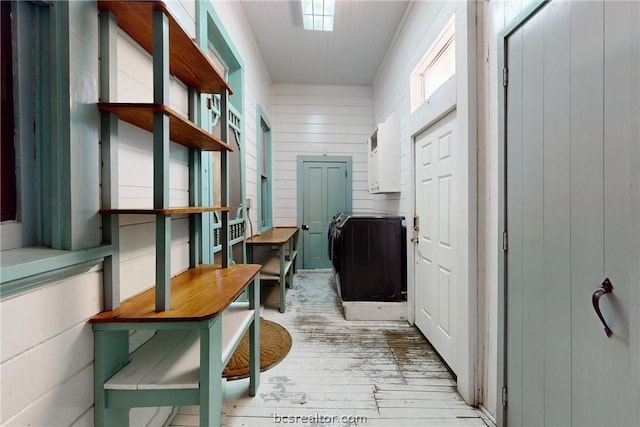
[{"x": 318, "y": 14}]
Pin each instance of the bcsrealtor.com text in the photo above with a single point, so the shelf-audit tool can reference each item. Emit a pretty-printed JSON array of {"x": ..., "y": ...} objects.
[{"x": 319, "y": 419}]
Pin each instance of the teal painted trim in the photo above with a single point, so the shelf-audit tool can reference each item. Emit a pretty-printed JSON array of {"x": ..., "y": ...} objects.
[
  {"x": 111, "y": 353},
  {"x": 61, "y": 230},
  {"x": 109, "y": 158},
  {"x": 501, "y": 373},
  {"x": 266, "y": 205},
  {"x": 218, "y": 36},
  {"x": 253, "y": 291},
  {"x": 211, "y": 374},
  {"x": 195, "y": 186},
  {"x": 124, "y": 399},
  {"x": 210, "y": 28},
  {"x": 224, "y": 187},
  {"x": 161, "y": 156},
  {"x": 28, "y": 268},
  {"x": 152, "y": 326},
  {"x": 163, "y": 262},
  {"x": 218, "y": 33}
]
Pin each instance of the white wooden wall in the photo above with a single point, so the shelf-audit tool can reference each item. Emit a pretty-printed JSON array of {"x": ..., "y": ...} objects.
[{"x": 317, "y": 120}]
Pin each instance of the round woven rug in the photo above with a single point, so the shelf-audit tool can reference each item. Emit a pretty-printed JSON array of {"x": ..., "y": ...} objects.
[{"x": 275, "y": 343}]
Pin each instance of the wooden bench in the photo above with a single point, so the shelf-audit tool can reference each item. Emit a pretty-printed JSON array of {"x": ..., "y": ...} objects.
[
  {"x": 182, "y": 363},
  {"x": 279, "y": 262}
]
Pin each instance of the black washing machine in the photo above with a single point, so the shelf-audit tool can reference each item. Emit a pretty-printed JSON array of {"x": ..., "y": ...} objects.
[{"x": 369, "y": 256}]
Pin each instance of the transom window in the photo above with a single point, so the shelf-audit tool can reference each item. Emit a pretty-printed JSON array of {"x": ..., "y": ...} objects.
[{"x": 436, "y": 67}]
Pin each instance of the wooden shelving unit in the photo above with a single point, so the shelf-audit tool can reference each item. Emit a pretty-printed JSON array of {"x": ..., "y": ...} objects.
[
  {"x": 182, "y": 131},
  {"x": 168, "y": 211},
  {"x": 198, "y": 325},
  {"x": 186, "y": 60}
]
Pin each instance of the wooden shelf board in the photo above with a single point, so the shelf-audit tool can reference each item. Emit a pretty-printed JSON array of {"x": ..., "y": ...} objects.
[
  {"x": 186, "y": 61},
  {"x": 274, "y": 236},
  {"x": 168, "y": 211},
  {"x": 181, "y": 130},
  {"x": 197, "y": 294}
]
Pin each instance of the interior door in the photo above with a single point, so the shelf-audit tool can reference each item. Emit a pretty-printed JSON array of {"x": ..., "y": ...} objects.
[
  {"x": 324, "y": 193},
  {"x": 572, "y": 144},
  {"x": 436, "y": 278}
]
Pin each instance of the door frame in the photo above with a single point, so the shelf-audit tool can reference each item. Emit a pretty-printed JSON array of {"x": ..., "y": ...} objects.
[
  {"x": 300, "y": 161},
  {"x": 522, "y": 18},
  {"x": 459, "y": 93}
]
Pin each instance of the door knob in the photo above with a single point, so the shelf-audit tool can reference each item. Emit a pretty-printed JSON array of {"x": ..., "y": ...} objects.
[
  {"x": 605, "y": 288},
  {"x": 305, "y": 227}
]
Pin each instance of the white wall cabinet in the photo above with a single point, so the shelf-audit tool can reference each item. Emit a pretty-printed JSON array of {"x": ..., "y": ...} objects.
[{"x": 384, "y": 157}]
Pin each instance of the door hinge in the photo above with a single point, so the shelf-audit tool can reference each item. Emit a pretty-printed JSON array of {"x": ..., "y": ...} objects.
[
  {"x": 504, "y": 396},
  {"x": 505, "y": 241},
  {"x": 505, "y": 76}
]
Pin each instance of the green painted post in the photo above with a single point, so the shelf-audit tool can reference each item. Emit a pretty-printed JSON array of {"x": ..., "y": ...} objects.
[
  {"x": 211, "y": 372},
  {"x": 195, "y": 196},
  {"x": 161, "y": 159},
  {"x": 224, "y": 188},
  {"x": 254, "y": 336},
  {"x": 109, "y": 156},
  {"x": 111, "y": 353},
  {"x": 283, "y": 284}
]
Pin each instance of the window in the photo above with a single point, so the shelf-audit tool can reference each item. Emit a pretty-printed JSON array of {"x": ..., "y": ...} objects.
[
  {"x": 25, "y": 121},
  {"x": 51, "y": 162},
  {"x": 436, "y": 67},
  {"x": 9, "y": 189},
  {"x": 264, "y": 172}
]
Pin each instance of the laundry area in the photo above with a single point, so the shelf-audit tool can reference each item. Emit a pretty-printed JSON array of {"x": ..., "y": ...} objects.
[{"x": 314, "y": 212}]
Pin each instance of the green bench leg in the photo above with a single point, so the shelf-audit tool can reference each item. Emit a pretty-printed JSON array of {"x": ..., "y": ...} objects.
[
  {"x": 111, "y": 353},
  {"x": 211, "y": 373},
  {"x": 254, "y": 336}
]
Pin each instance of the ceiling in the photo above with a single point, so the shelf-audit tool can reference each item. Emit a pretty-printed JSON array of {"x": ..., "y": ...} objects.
[{"x": 351, "y": 54}]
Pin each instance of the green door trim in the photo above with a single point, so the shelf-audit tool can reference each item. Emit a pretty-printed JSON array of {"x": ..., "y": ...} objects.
[
  {"x": 501, "y": 386},
  {"x": 301, "y": 160}
]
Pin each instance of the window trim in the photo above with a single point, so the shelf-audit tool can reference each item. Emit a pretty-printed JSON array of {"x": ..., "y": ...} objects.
[
  {"x": 65, "y": 215},
  {"x": 443, "y": 41},
  {"x": 263, "y": 206}
]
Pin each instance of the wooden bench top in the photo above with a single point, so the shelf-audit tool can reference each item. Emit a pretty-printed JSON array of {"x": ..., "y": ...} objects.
[
  {"x": 274, "y": 236},
  {"x": 197, "y": 294}
]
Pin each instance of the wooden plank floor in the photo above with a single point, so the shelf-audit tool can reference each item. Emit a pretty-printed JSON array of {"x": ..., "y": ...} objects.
[{"x": 344, "y": 373}]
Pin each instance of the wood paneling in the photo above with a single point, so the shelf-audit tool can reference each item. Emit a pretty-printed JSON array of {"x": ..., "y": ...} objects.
[{"x": 47, "y": 352}]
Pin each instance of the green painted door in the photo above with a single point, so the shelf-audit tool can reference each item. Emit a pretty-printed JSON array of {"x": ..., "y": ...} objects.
[{"x": 326, "y": 191}]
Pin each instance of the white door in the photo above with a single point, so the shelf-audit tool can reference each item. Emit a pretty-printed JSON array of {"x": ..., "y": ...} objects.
[
  {"x": 573, "y": 216},
  {"x": 436, "y": 279}
]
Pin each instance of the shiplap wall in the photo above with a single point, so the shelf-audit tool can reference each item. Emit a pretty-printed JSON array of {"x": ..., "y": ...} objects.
[{"x": 317, "y": 120}]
